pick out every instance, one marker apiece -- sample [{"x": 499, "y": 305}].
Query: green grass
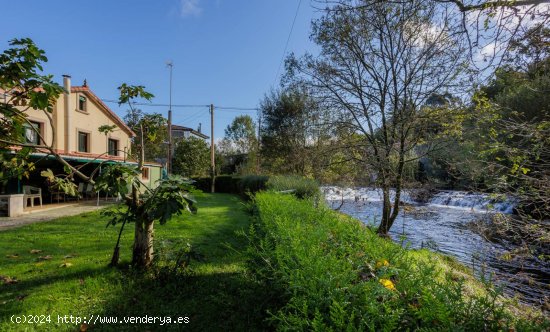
[
  {"x": 216, "y": 295},
  {"x": 329, "y": 272}
]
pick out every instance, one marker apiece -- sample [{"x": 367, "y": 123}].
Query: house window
[
  {"x": 83, "y": 142},
  {"x": 145, "y": 173},
  {"x": 31, "y": 132},
  {"x": 82, "y": 103},
  {"x": 113, "y": 147}
]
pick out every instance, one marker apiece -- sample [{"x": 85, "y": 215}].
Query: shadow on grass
[
  {"x": 13, "y": 296},
  {"x": 216, "y": 295},
  {"x": 213, "y": 302}
]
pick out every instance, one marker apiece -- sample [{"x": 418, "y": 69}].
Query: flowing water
[{"x": 441, "y": 225}]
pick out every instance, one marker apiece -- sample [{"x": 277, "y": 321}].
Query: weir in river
[{"x": 441, "y": 225}]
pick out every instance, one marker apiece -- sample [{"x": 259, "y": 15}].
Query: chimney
[
  {"x": 67, "y": 109},
  {"x": 200, "y": 127}
]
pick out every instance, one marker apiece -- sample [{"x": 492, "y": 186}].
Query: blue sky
[{"x": 225, "y": 52}]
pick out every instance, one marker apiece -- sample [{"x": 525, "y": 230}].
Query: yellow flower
[
  {"x": 384, "y": 262},
  {"x": 388, "y": 284}
]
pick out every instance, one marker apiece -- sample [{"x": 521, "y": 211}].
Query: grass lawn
[{"x": 69, "y": 276}]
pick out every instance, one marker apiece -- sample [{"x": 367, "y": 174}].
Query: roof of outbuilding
[{"x": 193, "y": 131}]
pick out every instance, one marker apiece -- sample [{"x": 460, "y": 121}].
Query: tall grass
[
  {"x": 302, "y": 187},
  {"x": 328, "y": 272}
]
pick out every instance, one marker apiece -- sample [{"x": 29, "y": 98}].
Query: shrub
[
  {"x": 328, "y": 272},
  {"x": 303, "y": 187},
  {"x": 226, "y": 184},
  {"x": 202, "y": 183},
  {"x": 239, "y": 185},
  {"x": 252, "y": 183}
]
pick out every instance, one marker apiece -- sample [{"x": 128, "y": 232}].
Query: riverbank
[
  {"x": 329, "y": 271},
  {"x": 446, "y": 224}
]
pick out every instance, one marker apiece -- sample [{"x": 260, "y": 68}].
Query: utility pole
[
  {"x": 212, "y": 159},
  {"x": 259, "y": 147},
  {"x": 170, "y": 64}
]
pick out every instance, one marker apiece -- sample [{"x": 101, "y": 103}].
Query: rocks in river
[{"x": 423, "y": 194}]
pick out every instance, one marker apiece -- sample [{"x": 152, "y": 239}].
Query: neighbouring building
[{"x": 186, "y": 132}]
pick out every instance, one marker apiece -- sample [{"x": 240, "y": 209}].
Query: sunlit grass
[{"x": 69, "y": 274}]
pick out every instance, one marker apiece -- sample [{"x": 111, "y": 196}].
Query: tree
[
  {"x": 286, "y": 130},
  {"x": 515, "y": 125},
  {"x": 27, "y": 88},
  {"x": 241, "y": 144},
  {"x": 23, "y": 85},
  {"x": 192, "y": 157},
  {"x": 488, "y": 26},
  {"x": 241, "y": 134},
  {"x": 155, "y": 134},
  {"x": 378, "y": 67}
]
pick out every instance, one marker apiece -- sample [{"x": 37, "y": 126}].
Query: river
[{"x": 441, "y": 225}]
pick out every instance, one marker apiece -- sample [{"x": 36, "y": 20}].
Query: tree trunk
[
  {"x": 386, "y": 221},
  {"x": 116, "y": 252},
  {"x": 142, "y": 255}
]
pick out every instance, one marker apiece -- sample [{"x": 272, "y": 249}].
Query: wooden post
[
  {"x": 169, "y": 158},
  {"x": 259, "y": 147},
  {"x": 212, "y": 158}
]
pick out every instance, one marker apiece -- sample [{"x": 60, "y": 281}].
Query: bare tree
[
  {"x": 488, "y": 26},
  {"x": 379, "y": 66}
]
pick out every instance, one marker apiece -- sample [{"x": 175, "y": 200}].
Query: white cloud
[{"x": 190, "y": 8}]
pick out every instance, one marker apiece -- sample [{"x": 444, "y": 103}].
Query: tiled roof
[
  {"x": 97, "y": 100},
  {"x": 193, "y": 131}
]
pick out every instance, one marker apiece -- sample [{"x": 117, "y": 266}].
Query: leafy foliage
[
  {"x": 239, "y": 147},
  {"x": 154, "y": 133},
  {"x": 513, "y": 124},
  {"x": 241, "y": 134},
  {"x": 15, "y": 166},
  {"x": 63, "y": 184},
  {"x": 117, "y": 179},
  {"x": 171, "y": 197},
  {"x": 192, "y": 157},
  {"x": 25, "y": 88},
  {"x": 245, "y": 186},
  {"x": 106, "y": 129},
  {"x": 287, "y": 130},
  {"x": 130, "y": 92}
]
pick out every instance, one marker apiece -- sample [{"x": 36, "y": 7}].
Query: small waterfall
[
  {"x": 472, "y": 201},
  {"x": 361, "y": 194},
  {"x": 452, "y": 199}
]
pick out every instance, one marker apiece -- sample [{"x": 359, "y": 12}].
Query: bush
[
  {"x": 239, "y": 185},
  {"x": 202, "y": 183},
  {"x": 252, "y": 184},
  {"x": 303, "y": 187},
  {"x": 328, "y": 272}
]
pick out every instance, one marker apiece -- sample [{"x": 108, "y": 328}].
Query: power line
[
  {"x": 287, "y": 41},
  {"x": 236, "y": 109},
  {"x": 154, "y": 105},
  {"x": 194, "y": 117},
  {"x": 227, "y": 108}
]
